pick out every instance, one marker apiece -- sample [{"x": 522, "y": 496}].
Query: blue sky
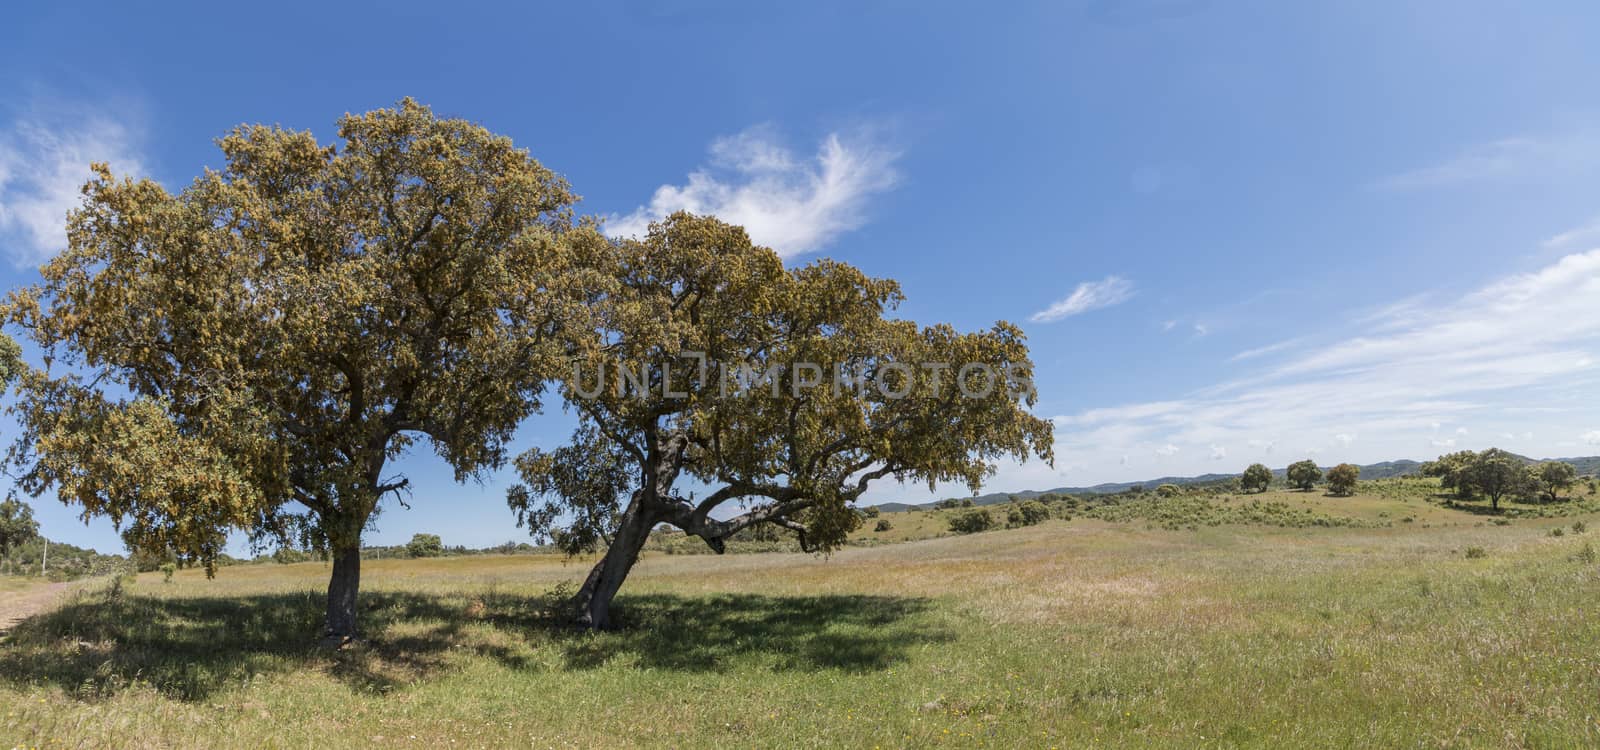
[{"x": 1233, "y": 231}]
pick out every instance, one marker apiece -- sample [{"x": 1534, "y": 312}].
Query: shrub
[
  {"x": 425, "y": 545},
  {"x": 1558, "y": 531},
  {"x": 1168, "y": 490},
  {"x": 871, "y": 511},
  {"x": 971, "y": 521},
  {"x": 1026, "y": 514},
  {"x": 1474, "y": 553},
  {"x": 883, "y": 525},
  {"x": 1578, "y": 527},
  {"x": 1585, "y": 554},
  {"x": 167, "y": 569}
]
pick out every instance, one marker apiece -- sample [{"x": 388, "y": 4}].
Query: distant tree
[
  {"x": 966, "y": 502},
  {"x": 972, "y": 521},
  {"x": 1342, "y": 479},
  {"x": 1137, "y": 489},
  {"x": 1555, "y": 477},
  {"x": 882, "y": 525},
  {"x": 1256, "y": 478},
  {"x": 17, "y": 526},
  {"x": 871, "y": 511},
  {"x": 948, "y": 503},
  {"x": 1498, "y": 474},
  {"x": 1453, "y": 471},
  {"x": 1304, "y": 474},
  {"x": 1169, "y": 490},
  {"x": 1027, "y": 513},
  {"x": 425, "y": 545},
  {"x": 261, "y": 344}
]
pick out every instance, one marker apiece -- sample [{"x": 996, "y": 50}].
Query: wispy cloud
[
  {"x": 1504, "y": 158},
  {"x": 1090, "y": 295},
  {"x": 1262, "y": 351},
  {"x": 792, "y": 204},
  {"x": 1526, "y": 339},
  {"x": 44, "y": 161}
]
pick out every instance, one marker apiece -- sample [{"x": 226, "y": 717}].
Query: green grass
[{"x": 1068, "y": 634}]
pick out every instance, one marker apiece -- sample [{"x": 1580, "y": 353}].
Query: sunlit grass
[{"x": 1067, "y": 634}]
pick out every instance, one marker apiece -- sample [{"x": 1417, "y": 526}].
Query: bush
[
  {"x": 1168, "y": 490},
  {"x": 871, "y": 511},
  {"x": 1026, "y": 514},
  {"x": 1558, "y": 531},
  {"x": 425, "y": 545},
  {"x": 1474, "y": 553},
  {"x": 883, "y": 525},
  {"x": 1578, "y": 527},
  {"x": 167, "y": 569},
  {"x": 1585, "y": 554},
  {"x": 972, "y": 521}
]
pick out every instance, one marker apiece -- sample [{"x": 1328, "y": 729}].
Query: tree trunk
[
  {"x": 342, "y": 590},
  {"x": 593, "y": 601}
]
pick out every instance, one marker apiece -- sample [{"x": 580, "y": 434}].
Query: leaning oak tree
[
  {"x": 251, "y": 352},
  {"x": 780, "y": 394}
]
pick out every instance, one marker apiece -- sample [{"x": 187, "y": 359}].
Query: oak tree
[
  {"x": 1256, "y": 478},
  {"x": 1555, "y": 477},
  {"x": 777, "y": 396},
  {"x": 1304, "y": 474},
  {"x": 252, "y": 351},
  {"x": 1342, "y": 479}
]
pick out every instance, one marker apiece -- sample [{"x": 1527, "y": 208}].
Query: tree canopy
[
  {"x": 782, "y": 393},
  {"x": 1342, "y": 479},
  {"x": 250, "y": 352},
  {"x": 1256, "y": 478},
  {"x": 1304, "y": 474},
  {"x": 1555, "y": 477}
]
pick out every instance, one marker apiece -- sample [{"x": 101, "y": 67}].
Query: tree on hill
[
  {"x": 768, "y": 425},
  {"x": 1342, "y": 479},
  {"x": 1256, "y": 478},
  {"x": 1304, "y": 474},
  {"x": 1497, "y": 474},
  {"x": 972, "y": 521},
  {"x": 425, "y": 545},
  {"x": 259, "y": 345},
  {"x": 1555, "y": 477},
  {"x": 17, "y": 526},
  {"x": 1169, "y": 490},
  {"x": 1026, "y": 513}
]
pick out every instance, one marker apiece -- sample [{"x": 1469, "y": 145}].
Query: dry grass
[{"x": 1069, "y": 634}]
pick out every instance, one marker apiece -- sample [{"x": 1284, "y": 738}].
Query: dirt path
[{"x": 16, "y": 606}]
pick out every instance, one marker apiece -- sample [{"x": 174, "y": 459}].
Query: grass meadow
[{"x": 1442, "y": 631}]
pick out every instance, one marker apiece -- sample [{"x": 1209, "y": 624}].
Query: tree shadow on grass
[{"x": 190, "y": 648}]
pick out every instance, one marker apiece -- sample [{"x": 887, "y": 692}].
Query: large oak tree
[
  {"x": 779, "y": 395},
  {"x": 250, "y": 353}
]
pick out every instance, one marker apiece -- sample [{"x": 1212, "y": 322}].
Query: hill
[{"x": 1381, "y": 470}]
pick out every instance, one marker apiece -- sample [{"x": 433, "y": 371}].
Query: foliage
[
  {"x": 1256, "y": 478},
  {"x": 250, "y": 352},
  {"x": 1555, "y": 477},
  {"x": 883, "y": 525},
  {"x": 17, "y": 526},
  {"x": 1192, "y": 512},
  {"x": 1169, "y": 490},
  {"x": 971, "y": 521},
  {"x": 1303, "y": 475},
  {"x": 1497, "y": 474},
  {"x": 1342, "y": 479},
  {"x": 791, "y": 456},
  {"x": 425, "y": 545},
  {"x": 1026, "y": 513}
]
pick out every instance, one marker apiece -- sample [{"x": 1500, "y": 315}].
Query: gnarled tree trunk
[
  {"x": 342, "y": 590},
  {"x": 593, "y": 602}
]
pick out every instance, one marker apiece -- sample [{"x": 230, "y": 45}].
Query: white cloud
[
  {"x": 1168, "y": 325},
  {"x": 1487, "y": 358},
  {"x": 1218, "y": 452},
  {"x": 44, "y": 161},
  {"x": 1592, "y": 437},
  {"x": 1574, "y": 237},
  {"x": 1167, "y": 450},
  {"x": 1089, "y": 295},
  {"x": 1502, "y": 159},
  {"x": 1201, "y": 329},
  {"x": 1265, "y": 350},
  {"x": 785, "y": 202}
]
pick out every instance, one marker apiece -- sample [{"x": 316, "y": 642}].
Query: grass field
[{"x": 1085, "y": 633}]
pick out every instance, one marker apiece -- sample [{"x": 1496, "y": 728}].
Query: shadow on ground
[{"x": 189, "y": 648}]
